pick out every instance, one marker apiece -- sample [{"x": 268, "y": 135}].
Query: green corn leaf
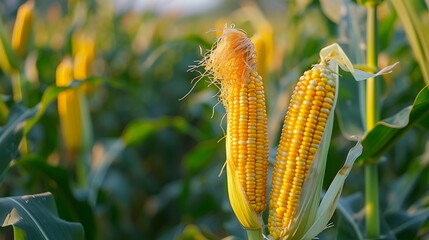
[
  {"x": 408, "y": 181},
  {"x": 20, "y": 122},
  {"x": 200, "y": 156},
  {"x": 11, "y": 135},
  {"x": 51, "y": 94},
  {"x": 191, "y": 232},
  {"x": 386, "y": 132},
  {"x": 348, "y": 207},
  {"x": 35, "y": 217},
  {"x": 98, "y": 174},
  {"x": 141, "y": 129},
  {"x": 404, "y": 224},
  {"x": 70, "y": 207},
  {"x": 8, "y": 60},
  {"x": 413, "y": 15},
  {"x": 135, "y": 133}
]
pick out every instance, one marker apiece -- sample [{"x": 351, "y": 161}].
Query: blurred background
[{"x": 155, "y": 155}]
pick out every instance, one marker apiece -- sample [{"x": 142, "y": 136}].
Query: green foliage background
[{"x": 156, "y": 160}]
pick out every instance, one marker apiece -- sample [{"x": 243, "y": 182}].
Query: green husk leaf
[
  {"x": 247, "y": 217},
  {"x": 336, "y": 53},
  {"x": 412, "y": 14},
  {"x": 329, "y": 201}
]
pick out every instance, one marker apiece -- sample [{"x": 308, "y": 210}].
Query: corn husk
[{"x": 313, "y": 216}]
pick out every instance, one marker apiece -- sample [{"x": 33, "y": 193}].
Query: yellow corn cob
[
  {"x": 84, "y": 54},
  {"x": 22, "y": 27},
  {"x": 302, "y": 132},
  {"x": 83, "y": 43},
  {"x": 247, "y": 131},
  {"x": 69, "y": 107},
  {"x": 5, "y": 63},
  {"x": 81, "y": 68},
  {"x": 233, "y": 64},
  {"x": 8, "y": 61}
]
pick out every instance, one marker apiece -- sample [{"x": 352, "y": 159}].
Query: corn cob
[
  {"x": 83, "y": 56},
  {"x": 81, "y": 66},
  {"x": 302, "y": 132},
  {"x": 69, "y": 107},
  {"x": 233, "y": 64},
  {"x": 83, "y": 43},
  {"x": 8, "y": 61},
  {"x": 22, "y": 27},
  {"x": 248, "y": 138}
]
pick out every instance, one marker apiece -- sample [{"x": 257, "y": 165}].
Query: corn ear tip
[
  {"x": 66, "y": 64},
  {"x": 220, "y": 53},
  {"x": 233, "y": 43},
  {"x": 27, "y": 7}
]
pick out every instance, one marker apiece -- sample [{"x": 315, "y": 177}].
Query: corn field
[{"x": 214, "y": 119}]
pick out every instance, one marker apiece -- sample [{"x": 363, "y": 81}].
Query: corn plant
[
  {"x": 97, "y": 141},
  {"x": 232, "y": 63}
]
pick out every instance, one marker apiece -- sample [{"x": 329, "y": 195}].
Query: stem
[
  {"x": 254, "y": 234},
  {"x": 372, "y": 116},
  {"x": 23, "y": 147},
  {"x": 17, "y": 97},
  {"x": 77, "y": 163},
  {"x": 16, "y": 86},
  {"x": 4, "y": 112},
  {"x": 82, "y": 169}
]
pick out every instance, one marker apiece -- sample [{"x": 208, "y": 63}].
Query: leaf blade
[
  {"x": 36, "y": 215},
  {"x": 386, "y": 132}
]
